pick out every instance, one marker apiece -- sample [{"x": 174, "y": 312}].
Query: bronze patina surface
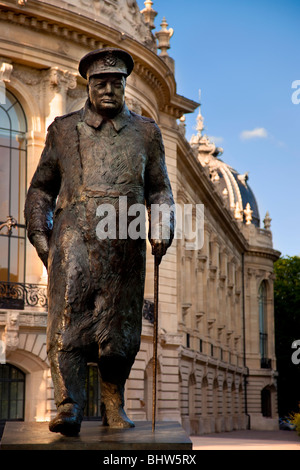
[
  {"x": 94, "y": 436},
  {"x": 93, "y": 157}
]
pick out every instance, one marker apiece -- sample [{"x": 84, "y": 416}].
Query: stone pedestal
[{"x": 168, "y": 436}]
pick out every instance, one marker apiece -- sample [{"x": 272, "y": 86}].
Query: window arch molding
[
  {"x": 13, "y": 171},
  {"x": 26, "y": 94},
  {"x": 27, "y": 100},
  {"x": 28, "y": 97},
  {"x": 36, "y": 369},
  {"x": 12, "y": 394}
]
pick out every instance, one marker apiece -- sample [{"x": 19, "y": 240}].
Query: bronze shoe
[
  {"x": 67, "y": 421},
  {"x": 112, "y": 407},
  {"x": 117, "y": 419}
]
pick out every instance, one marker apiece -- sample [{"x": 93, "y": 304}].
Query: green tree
[{"x": 287, "y": 331}]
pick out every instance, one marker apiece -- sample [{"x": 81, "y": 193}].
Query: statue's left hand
[{"x": 41, "y": 244}]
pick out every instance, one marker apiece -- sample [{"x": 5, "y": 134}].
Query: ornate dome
[
  {"x": 237, "y": 192},
  {"x": 233, "y": 187}
]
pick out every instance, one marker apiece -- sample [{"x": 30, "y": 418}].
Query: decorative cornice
[
  {"x": 268, "y": 253},
  {"x": 24, "y": 318},
  {"x": 37, "y": 23},
  {"x": 84, "y": 31}
]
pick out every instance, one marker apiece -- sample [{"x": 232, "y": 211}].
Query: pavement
[{"x": 248, "y": 440}]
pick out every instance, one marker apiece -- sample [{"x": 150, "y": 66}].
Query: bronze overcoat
[{"x": 95, "y": 287}]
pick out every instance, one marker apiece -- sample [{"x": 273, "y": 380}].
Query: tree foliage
[{"x": 287, "y": 330}]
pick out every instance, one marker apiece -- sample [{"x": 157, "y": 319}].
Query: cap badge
[{"x": 110, "y": 60}]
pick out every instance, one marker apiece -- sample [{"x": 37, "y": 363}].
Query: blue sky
[{"x": 244, "y": 56}]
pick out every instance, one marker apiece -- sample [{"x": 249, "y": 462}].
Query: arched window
[
  {"x": 13, "y": 166},
  {"x": 263, "y": 328},
  {"x": 12, "y": 394}
]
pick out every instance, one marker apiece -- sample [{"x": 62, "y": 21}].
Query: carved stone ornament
[
  {"x": 134, "y": 105},
  {"x": 13, "y": 321},
  {"x": 61, "y": 78},
  {"x": 182, "y": 125},
  {"x": 248, "y": 214},
  {"x": 11, "y": 335},
  {"x": 28, "y": 76},
  {"x": 6, "y": 69},
  {"x": 238, "y": 213},
  {"x": 164, "y": 36},
  {"x": 267, "y": 221},
  {"x": 123, "y": 15},
  {"x": 12, "y": 340},
  {"x": 149, "y": 13}
]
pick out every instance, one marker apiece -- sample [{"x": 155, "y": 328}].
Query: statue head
[{"x": 106, "y": 71}]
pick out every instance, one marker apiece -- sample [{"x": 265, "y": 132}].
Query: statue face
[{"x": 107, "y": 93}]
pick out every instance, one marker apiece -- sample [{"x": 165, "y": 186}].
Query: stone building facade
[{"x": 217, "y": 364}]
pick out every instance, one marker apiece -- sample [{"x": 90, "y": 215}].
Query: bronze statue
[{"x": 93, "y": 157}]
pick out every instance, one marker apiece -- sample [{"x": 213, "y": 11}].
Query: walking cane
[{"x": 157, "y": 261}]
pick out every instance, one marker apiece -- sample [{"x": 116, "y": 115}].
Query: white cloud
[{"x": 257, "y": 133}]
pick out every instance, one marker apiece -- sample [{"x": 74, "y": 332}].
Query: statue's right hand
[{"x": 41, "y": 244}]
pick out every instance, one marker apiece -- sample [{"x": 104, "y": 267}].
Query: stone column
[
  {"x": 187, "y": 293},
  {"x": 168, "y": 267},
  {"x": 252, "y": 320},
  {"x": 35, "y": 140},
  {"x": 56, "y": 83},
  {"x": 201, "y": 262},
  {"x": 270, "y": 319}
]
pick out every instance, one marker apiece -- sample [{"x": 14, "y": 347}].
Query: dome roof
[
  {"x": 236, "y": 190},
  {"x": 233, "y": 187}
]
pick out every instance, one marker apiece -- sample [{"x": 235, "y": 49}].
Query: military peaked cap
[{"x": 109, "y": 60}]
